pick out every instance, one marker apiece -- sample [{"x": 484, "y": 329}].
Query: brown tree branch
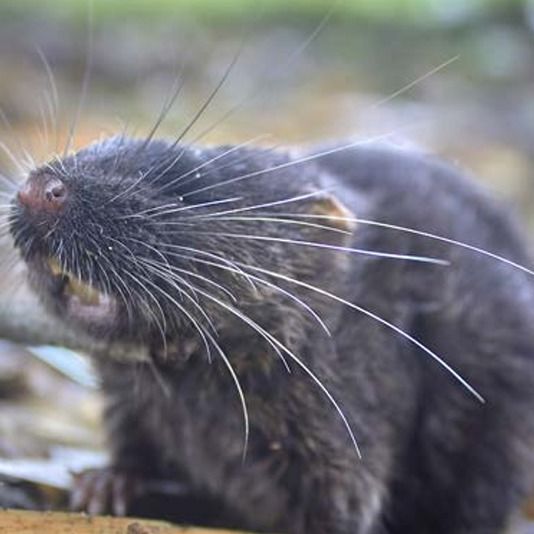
[{"x": 23, "y": 320}]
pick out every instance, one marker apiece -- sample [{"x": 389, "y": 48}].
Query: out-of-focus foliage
[{"x": 408, "y": 10}]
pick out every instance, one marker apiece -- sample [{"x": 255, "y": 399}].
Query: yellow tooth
[
  {"x": 55, "y": 267},
  {"x": 84, "y": 292}
]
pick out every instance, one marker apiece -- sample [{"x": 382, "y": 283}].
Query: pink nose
[{"x": 43, "y": 195}]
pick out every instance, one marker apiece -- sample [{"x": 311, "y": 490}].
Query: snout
[{"x": 43, "y": 195}]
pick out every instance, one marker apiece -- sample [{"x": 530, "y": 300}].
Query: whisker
[
  {"x": 52, "y": 102},
  {"x": 196, "y": 169},
  {"x": 165, "y": 261},
  {"x": 169, "y": 163},
  {"x": 298, "y": 161},
  {"x": 18, "y": 164},
  {"x": 28, "y": 160},
  {"x": 44, "y": 134},
  {"x": 299, "y": 362},
  {"x": 365, "y": 252},
  {"x": 129, "y": 189},
  {"x": 51, "y": 79},
  {"x": 173, "y": 280},
  {"x": 212, "y": 95},
  {"x": 120, "y": 280},
  {"x": 285, "y": 221},
  {"x": 190, "y": 318},
  {"x": 429, "y": 235},
  {"x": 165, "y": 388},
  {"x": 167, "y": 209},
  {"x": 123, "y": 139},
  {"x": 167, "y": 106},
  {"x": 240, "y": 392},
  {"x": 161, "y": 325},
  {"x": 415, "y": 82},
  {"x": 262, "y": 90},
  {"x": 194, "y": 275},
  {"x": 200, "y": 112},
  {"x": 209, "y": 255},
  {"x": 265, "y": 204},
  {"x": 378, "y": 319},
  {"x": 85, "y": 80},
  {"x": 243, "y": 158},
  {"x": 240, "y": 272}
]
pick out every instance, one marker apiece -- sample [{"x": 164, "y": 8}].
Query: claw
[{"x": 101, "y": 491}]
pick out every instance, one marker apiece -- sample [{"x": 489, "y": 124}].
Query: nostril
[
  {"x": 43, "y": 194},
  {"x": 55, "y": 192}
]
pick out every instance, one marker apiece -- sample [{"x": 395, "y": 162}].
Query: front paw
[{"x": 105, "y": 491}]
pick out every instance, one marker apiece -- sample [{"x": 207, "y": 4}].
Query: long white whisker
[
  {"x": 173, "y": 95},
  {"x": 418, "y": 80},
  {"x": 298, "y": 161},
  {"x": 160, "y": 380},
  {"x": 168, "y": 209},
  {"x": 240, "y": 392},
  {"x": 365, "y": 252},
  {"x": 174, "y": 280},
  {"x": 160, "y": 322},
  {"x": 429, "y": 235},
  {"x": 44, "y": 135},
  {"x": 127, "y": 289},
  {"x": 301, "y": 364},
  {"x": 286, "y": 221},
  {"x": 198, "y": 168},
  {"x": 28, "y": 160},
  {"x": 261, "y": 281},
  {"x": 51, "y": 79},
  {"x": 247, "y": 320},
  {"x": 85, "y": 81},
  {"x": 174, "y": 159},
  {"x": 256, "y": 92},
  {"x": 193, "y": 321},
  {"x": 18, "y": 164},
  {"x": 378, "y": 319},
  {"x": 263, "y": 205},
  {"x": 173, "y": 268},
  {"x": 209, "y": 255}
]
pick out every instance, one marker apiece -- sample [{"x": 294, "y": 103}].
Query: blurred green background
[{"x": 477, "y": 111}]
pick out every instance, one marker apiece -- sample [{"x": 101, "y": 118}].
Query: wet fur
[{"x": 434, "y": 459}]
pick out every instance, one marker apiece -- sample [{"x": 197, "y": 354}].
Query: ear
[
  {"x": 334, "y": 227},
  {"x": 333, "y": 213}
]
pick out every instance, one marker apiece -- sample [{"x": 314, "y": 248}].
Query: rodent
[{"x": 181, "y": 248}]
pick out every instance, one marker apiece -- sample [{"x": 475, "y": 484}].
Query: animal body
[{"x": 318, "y": 363}]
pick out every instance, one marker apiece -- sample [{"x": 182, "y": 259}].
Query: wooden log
[{"x": 25, "y": 522}]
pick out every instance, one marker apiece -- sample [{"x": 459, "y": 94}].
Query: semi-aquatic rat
[{"x": 292, "y": 330}]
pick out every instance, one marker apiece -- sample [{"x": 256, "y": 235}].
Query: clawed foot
[{"x": 105, "y": 491}]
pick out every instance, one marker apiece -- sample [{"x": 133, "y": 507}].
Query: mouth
[{"x": 79, "y": 300}]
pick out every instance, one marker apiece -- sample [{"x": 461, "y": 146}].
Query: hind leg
[
  {"x": 471, "y": 463},
  {"x": 450, "y": 487},
  {"x": 492, "y": 480}
]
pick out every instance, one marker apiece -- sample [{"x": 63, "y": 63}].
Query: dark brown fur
[{"x": 434, "y": 458}]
